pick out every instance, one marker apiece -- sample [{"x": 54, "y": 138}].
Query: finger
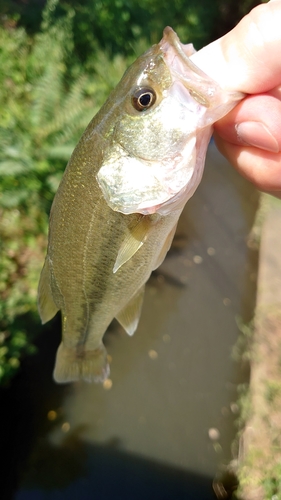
[
  {"x": 247, "y": 58},
  {"x": 255, "y": 121},
  {"x": 260, "y": 167}
]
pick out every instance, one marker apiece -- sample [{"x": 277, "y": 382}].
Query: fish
[{"x": 115, "y": 213}]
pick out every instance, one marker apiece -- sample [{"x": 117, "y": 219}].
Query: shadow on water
[
  {"x": 77, "y": 470},
  {"x": 147, "y": 433}
]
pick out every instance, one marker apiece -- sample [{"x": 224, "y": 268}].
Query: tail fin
[{"x": 91, "y": 366}]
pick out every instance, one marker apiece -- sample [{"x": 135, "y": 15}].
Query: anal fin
[
  {"x": 46, "y": 306},
  {"x": 129, "y": 316}
]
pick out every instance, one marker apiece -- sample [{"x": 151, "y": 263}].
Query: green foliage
[
  {"x": 272, "y": 484},
  {"x": 241, "y": 351},
  {"x": 272, "y": 391},
  {"x": 12, "y": 347},
  {"x": 21, "y": 259},
  {"x": 41, "y": 115},
  {"x": 117, "y": 25},
  {"x": 46, "y": 102}
]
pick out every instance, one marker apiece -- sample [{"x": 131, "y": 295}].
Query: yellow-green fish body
[{"x": 115, "y": 212}]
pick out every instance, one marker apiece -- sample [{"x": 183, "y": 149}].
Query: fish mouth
[
  {"x": 177, "y": 57},
  {"x": 201, "y": 87}
]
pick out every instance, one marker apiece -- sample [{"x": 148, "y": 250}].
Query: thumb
[{"x": 247, "y": 59}]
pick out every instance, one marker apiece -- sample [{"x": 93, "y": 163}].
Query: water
[{"x": 173, "y": 385}]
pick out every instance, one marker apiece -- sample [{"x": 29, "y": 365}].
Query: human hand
[{"x": 247, "y": 59}]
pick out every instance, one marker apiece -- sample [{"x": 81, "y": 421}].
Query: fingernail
[{"x": 256, "y": 134}]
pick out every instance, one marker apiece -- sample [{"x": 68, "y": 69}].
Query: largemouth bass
[{"x": 115, "y": 213}]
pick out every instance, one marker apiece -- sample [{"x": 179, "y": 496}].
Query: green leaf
[
  {"x": 10, "y": 167},
  {"x": 62, "y": 152},
  {"x": 12, "y": 199}
]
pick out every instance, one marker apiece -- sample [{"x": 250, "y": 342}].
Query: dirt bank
[{"x": 260, "y": 444}]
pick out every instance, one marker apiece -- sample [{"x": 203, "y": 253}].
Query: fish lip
[
  {"x": 201, "y": 87},
  {"x": 171, "y": 40},
  {"x": 177, "y": 57}
]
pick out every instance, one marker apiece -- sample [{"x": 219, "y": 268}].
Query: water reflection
[{"x": 163, "y": 424}]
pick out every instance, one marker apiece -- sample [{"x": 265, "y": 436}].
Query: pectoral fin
[
  {"x": 134, "y": 239},
  {"x": 130, "y": 315},
  {"x": 46, "y": 306}
]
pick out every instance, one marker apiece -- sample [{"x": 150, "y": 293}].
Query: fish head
[{"x": 160, "y": 122}]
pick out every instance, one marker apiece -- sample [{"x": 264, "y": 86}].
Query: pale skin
[{"x": 248, "y": 59}]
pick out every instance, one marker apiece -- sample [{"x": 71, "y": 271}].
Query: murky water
[{"x": 147, "y": 432}]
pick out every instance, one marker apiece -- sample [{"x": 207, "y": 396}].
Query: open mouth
[{"x": 177, "y": 57}]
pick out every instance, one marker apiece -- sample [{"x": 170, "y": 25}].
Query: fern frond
[
  {"x": 47, "y": 93},
  {"x": 76, "y": 93},
  {"x": 67, "y": 120},
  {"x": 12, "y": 168}
]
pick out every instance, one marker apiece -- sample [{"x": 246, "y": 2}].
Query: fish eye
[{"x": 143, "y": 98}]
